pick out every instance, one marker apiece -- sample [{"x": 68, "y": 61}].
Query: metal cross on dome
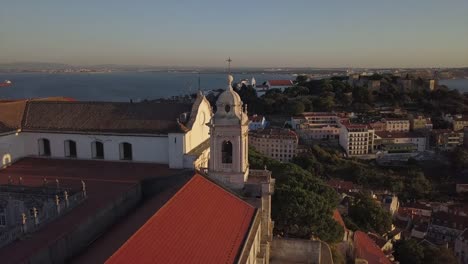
[{"x": 229, "y": 64}]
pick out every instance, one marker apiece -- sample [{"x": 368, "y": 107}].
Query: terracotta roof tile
[
  {"x": 11, "y": 114},
  {"x": 105, "y": 182},
  {"x": 367, "y": 249},
  {"x": 337, "y": 217},
  {"x": 202, "y": 223},
  {"x": 280, "y": 82}
]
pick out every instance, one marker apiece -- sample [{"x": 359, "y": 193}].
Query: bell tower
[{"x": 229, "y": 140}]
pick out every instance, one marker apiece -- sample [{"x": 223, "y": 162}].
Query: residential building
[
  {"x": 378, "y": 126},
  {"x": 419, "y": 230},
  {"x": 416, "y": 209},
  {"x": 446, "y": 139},
  {"x": 312, "y": 126},
  {"x": 257, "y": 122},
  {"x": 279, "y": 84},
  {"x": 277, "y": 143},
  {"x": 356, "y": 139},
  {"x": 445, "y": 227},
  {"x": 461, "y": 247},
  {"x": 400, "y": 142},
  {"x": 458, "y": 122},
  {"x": 373, "y": 85},
  {"x": 342, "y": 186},
  {"x": 420, "y": 123},
  {"x": 273, "y": 84},
  {"x": 397, "y": 125}
]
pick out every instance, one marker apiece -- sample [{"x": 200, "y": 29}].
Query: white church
[
  {"x": 166, "y": 133},
  {"x": 179, "y": 135}
]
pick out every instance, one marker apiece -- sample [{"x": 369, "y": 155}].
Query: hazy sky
[{"x": 327, "y": 33}]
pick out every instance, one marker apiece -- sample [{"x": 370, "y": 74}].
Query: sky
[{"x": 294, "y": 33}]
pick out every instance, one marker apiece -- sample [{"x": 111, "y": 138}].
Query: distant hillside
[{"x": 34, "y": 66}]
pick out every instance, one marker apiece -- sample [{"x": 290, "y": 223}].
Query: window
[
  {"x": 70, "y": 149},
  {"x": 44, "y": 147},
  {"x": 126, "y": 151},
  {"x": 226, "y": 152},
  {"x": 98, "y": 150},
  {"x": 2, "y": 217}
]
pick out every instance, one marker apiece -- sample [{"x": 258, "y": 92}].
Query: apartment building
[
  {"x": 312, "y": 126},
  {"x": 420, "y": 123},
  {"x": 277, "y": 143},
  {"x": 395, "y": 142},
  {"x": 396, "y": 124},
  {"x": 356, "y": 139},
  {"x": 446, "y": 139}
]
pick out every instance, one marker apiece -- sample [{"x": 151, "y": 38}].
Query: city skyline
[{"x": 261, "y": 34}]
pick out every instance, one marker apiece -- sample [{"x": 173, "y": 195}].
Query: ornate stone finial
[
  {"x": 265, "y": 167},
  {"x": 230, "y": 79}
]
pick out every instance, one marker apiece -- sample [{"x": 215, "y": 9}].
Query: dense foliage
[
  {"x": 302, "y": 203},
  {"x": 408, "y": 182},
  {"x": 337, "y": 94},
  {"x": 412, "y": 252},
  {"x": 368, "y": 215}
]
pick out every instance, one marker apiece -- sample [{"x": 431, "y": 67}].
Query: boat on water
[{"x": 6, "y": 83}]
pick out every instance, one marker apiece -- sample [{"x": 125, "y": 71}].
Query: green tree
[
  {"x": 369, "y": 215},
  {"x": 439, "y": 255},
  {"x": 409, "y": 252},
  {"x": 459, "y": 159},
  {"x": 295, "y": 107},
  {"x": 417, "y": 185},
  {"x": 302, "y": 203}
]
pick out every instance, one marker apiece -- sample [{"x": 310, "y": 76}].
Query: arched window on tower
[{"x": 226, "y": 152}]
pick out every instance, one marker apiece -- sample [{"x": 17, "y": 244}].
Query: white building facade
[{"x": 169, "y": 145}]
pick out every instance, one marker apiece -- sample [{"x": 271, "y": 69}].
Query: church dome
[
  {"x": 229, "y": 97},
  {"x": 229, "y": 103}
]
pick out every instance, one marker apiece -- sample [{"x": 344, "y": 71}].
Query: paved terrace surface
[{"x": 105, "y": 181}]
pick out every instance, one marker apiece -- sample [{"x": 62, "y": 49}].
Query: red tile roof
[
  {"x": 105, "y": 182},
  {"x": 280, "y": 82},
  {"x": 202, "y": 223},
  {"x": 339, "y": 219},
  {"x": 367, "y": 249}
]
